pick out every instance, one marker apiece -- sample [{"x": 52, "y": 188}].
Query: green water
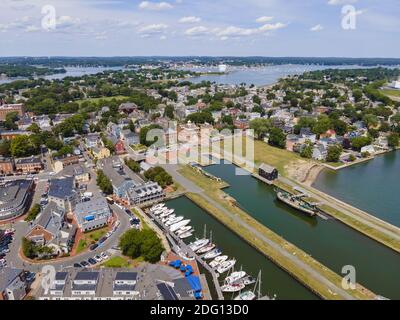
[
  {"x": 274, "y": 280},
  {"x": 372, "y": 186},
  {"x": 330, "y": 242}
]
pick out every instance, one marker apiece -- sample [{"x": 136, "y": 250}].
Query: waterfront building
[
  {"x": 15, "y": 198},
  {"x": 93, "y": 214},
  {"x": 149, "y": 192},
  {"x": 268, "y": 172}
]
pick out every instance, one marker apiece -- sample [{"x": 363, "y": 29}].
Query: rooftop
[{"x": 62, "y": 188}]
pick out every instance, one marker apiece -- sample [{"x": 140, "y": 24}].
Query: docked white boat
[
  {"x": 166, "y": 213},
  {"x": 218, "y": 260},
  {"x": 172, "y": 216},
  {"x": 207, "y": 248},
  {"x": 232, "y": 287},
  {"x": 248, "y": 280},
  {"x": 186, "y": 235},
  {"x": 171, "y": 222},
  {"x": 180, "y": 225},
  {"x": 225, "y": 266},
  {"x": 199, "y": 244},
  {"x": 235, "y": 277},
  {"x": 246, "y": 296},
  {"x": 157, "y": 207},
  {"x": 183, "y": 230},
  {"x": 213, "y": 254}
]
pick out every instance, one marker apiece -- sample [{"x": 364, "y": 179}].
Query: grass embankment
[
  {"x": 393, "y": 93},
  {"x": 121, "y": 262},
  {"x": 303, "y": 276}
]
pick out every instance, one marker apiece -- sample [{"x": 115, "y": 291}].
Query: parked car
[
  {"x": 85, "y": 264},
  {"x": 102, "y": 240},
  {"x": 30, "y": 276},
  {"x": 98, "y": 258},
  {"x": 104, "y": 255},
  {"x": 92, "y": 261},
  {"x": 93, "y": 247},
  {"x": 77, "y": 265}
]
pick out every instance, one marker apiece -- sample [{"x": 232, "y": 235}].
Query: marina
[
  {"x": 198, "y": 250},
  {"x": 329, "y": 241}
]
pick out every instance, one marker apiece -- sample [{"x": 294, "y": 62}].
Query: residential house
[
  {"x": 93, "y": 214},
  {"x": 62, "y": 192},
  {"x": 100, "y": 153},
  {"x": 59, "y": 163},
  {"x": 13, "y": 285},
  {"x": 320, "y": 152}
]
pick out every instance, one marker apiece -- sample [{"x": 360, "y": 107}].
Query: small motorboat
[
  {"x": 225, "y": 266},
  {"x": 218, "y": 260},
  {"x": 248, "y": 280},
  {"x": 246, "y": 296},
  {"x": 235, "y": 277},
  {"x": 199, "y": 244},
  {"x": 174, "y": 221},
  {"x": 232, "y": 287},
  {"x": 213, "y": 254},
  {"x": 205, "y": 249}
]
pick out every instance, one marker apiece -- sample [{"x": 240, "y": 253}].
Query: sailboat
[{"x": 250, "y": 295}]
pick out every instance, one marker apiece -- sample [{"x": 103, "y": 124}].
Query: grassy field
[
  {"x": 90, "y": 238},
  {"x": 117, "y": 262},
  {"x": 278, "y": 158},
  {"x": 393, "y": 93},
  {"x": 96, "y": 100},
  {"x": 214, "y": 192}
]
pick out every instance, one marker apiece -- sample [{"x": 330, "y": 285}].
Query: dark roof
[
  {"x": 182, "y": 287},
  {"x": 61, "y": 276},
  {"x": 123, "y": 276},
  {"x": 61, "y": 188},
  {"x": 124, "y": 287},
  {"x": 87, "y": 275},
  {"x": 7, "y": 276},
  {"x": 267, "y": 168},
  {"x": 167, "y": 292},
  {"x": 29, "y": 160}
]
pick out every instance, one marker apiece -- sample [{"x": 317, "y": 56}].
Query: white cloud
[
  {"x": 155, "y": 6},
  {"x": 264, "y": 19},
  {"x": 317, "y": 27},
  {"x": 152, "y": 29},
  {"x": 197, "y": 31},
  {"x": 340, "y": 2},
  {"x": 190, "y": 19}
]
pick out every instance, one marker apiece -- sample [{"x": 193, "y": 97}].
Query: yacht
[
  {"x": 172, "y": 216},
  {"x": 171, "y": 222},
  {"x": 213, "y": 254},
  {"x": 179, "y": 225},
  {"x": 199, "y": 244},
  {"x": 206, "y": 249},
  {"x": 183, "y": 230},
  {"x": 186, "y": 235},
  {"x": 225, "y": 266},
  {"x": 232, "y": 287},
  {"x": 246, "y": 296},
  {"x": 235, "y": 277},
  {"x": 218, "y": 260}
]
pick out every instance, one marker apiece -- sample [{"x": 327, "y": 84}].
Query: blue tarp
[{"x": 194, "y": 283}]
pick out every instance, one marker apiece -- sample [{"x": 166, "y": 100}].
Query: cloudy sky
[{"x": 368, "y": 28}]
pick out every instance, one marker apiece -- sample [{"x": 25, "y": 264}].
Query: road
[{"x": 191, "y": 187}]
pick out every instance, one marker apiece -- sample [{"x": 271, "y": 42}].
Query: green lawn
[
  {"x": 95, "y": 100},
  {"x": 393, "y": 93},
  {"x": 82, "y": 245},
  {"x": 116, "y": 262}
]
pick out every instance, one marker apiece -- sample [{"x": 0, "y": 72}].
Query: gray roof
[
  {"x": 61, "y": 276},
  {"x": 182, "y": 287},
  {"x": 267, "y": 168},
  {"x": 61, "y": 188},
  {"x": 7, "y": 276},
  {"x": 94, "y": 206},
  {"x": 13, "y": 193},
  {"x": 29, "y": 160},
  {"x": 51, "y": 218}
]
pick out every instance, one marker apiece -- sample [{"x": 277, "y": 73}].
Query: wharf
[{"x": 180, "y": 247}]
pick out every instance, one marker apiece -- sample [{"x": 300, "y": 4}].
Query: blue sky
[{"x": 203, "y": 27}]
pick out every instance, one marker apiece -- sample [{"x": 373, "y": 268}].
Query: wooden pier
[{"x": 179, "y": 247}]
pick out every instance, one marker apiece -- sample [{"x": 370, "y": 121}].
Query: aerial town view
[{"x": 199, "y": 151}]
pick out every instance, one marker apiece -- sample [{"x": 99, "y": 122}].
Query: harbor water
[
  {"x": 274, "y": 280},
  {"x": 330, "y": 242}
]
